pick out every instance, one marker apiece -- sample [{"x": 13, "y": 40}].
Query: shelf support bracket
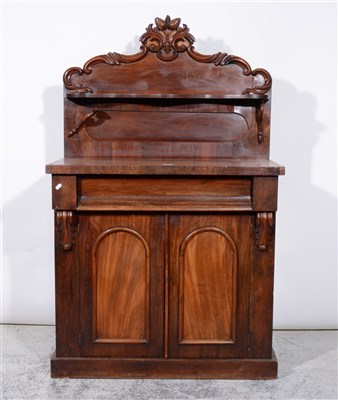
[
  {"x": 81, "y": 123},
  {"x": 264, "y": 230},
  {"x": 259, "y": 121}
]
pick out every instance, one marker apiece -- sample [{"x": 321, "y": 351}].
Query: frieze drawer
[{"x": 161, "y": 193}]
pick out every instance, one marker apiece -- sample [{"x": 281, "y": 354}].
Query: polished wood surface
[
  {"x": 226, "y": 167},
  {"x": 121, "y": 287},
  {"x": 166, "y": 129},
  {"x": 208, "y": 280},
  {"x": 172, "y": 43},
  {"x": 209, "y": 254},
  {"x": 167, "y": 101},
  {"x": 148, "y": 127},
  {"x": 163, "y": 194},
  {"x": 217, "y": 368},
  {"x": 122, "y": 284},
  {"x": 165, "y": 208}
]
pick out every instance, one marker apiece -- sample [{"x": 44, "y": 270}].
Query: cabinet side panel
[
  {"x": 261, "y": 291},
  {"x": 66, "y": 287}
]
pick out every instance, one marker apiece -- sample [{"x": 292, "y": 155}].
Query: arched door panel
[
  {"x": 208, "y": 309},
  {"x": 122, "y": 272}
]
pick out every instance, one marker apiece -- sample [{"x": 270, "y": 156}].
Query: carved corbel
[
  {"x": 264, "y": 230},
  {"x": 67, "y": 229},
  {"x": 259, "y": 121}
]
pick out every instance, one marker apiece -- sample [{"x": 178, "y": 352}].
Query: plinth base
[{"x": 81, "y": 367}]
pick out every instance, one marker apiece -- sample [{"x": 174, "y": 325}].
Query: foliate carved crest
[{"x": 167, "y": 40}]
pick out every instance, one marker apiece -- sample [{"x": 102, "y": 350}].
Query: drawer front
[
  {"x": 145, "y": 193},
  {"x": 161, "y": 193}
]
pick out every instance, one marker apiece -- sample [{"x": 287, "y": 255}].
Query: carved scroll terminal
[
  {"x": 67, "y": 229},
  {"x": 264, "y": 230}
]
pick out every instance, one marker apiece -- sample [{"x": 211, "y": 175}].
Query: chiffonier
[{"x": 165, "y": 209}]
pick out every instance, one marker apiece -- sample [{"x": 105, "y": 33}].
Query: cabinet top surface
[{"x": 226, "y": 167}]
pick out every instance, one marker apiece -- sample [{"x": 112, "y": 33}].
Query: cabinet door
[
  {"x": 121, "y": 280},
  {"x": 209, "y": 277}
]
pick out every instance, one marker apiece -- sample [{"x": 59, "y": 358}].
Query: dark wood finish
[
  {"x": 122, "y": 258},
  {"x": 254, "y": 368},
  {"x": 64, "y": 192},
  {"x": 165, "y": 209},
  {"x": 227, "y": 167},
  {"x": 261, "y": 287},
  {"x": 209, "y": 313},
  {"x": 67, "y": 283},
  {"x": 135, "y": 106},
  {"x": 264, "y": 193},
  {"x": 169, "y": 42},
  {"x": 117, "y": 129},
  {"x": 159, "y": 194}
]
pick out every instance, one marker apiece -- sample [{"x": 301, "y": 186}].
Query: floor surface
[{"x": 307, "y": 370}]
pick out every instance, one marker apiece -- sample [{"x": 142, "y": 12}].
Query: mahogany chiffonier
[{"x": 165, "y": 209}]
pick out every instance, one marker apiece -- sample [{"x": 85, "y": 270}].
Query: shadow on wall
[
  {"x": 306, "y": 229},
  {"x": 305, "y": 224},
  {"x": 28, "y": 289},
  {"x": 306, "y": 260}
]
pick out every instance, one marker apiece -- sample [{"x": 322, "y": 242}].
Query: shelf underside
[{"x": 171, "y": 97}]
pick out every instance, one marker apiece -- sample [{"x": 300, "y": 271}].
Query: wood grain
[
  {"x": 121, "y": 287},
  {"x": 209, "y": 319},
  {"x": 122, "y": 299},
  {"x": 208, "y": 287},
  {"x": 135, "y": 106},
  {"x": 128, "y": 126},
  {"x": 165, "y": 369},
  {"x": 64, "y": 192},
  {"x": 228, "y": 167},
  {"x": 165, "y": 215},
  {"x": 164, "y": 194},
  {"x": 67, "y": 287},
  {"x": 261, "y": 297}
]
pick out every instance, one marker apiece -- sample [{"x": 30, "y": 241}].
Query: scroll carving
[
  {"x": 110, "y": 58},
  {"x": 67, "y": 229},
  {"x": 167, "y": 39},
  {"x": 264, "y": 230}
]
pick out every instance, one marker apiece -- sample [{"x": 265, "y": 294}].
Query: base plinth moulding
[{"x": 81, "y": 367}]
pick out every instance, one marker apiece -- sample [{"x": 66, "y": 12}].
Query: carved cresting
[
  {"x": 167, "y": 39},
  {"x": 264, "y": 230},
  {"x": 67, "y": 229}
]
